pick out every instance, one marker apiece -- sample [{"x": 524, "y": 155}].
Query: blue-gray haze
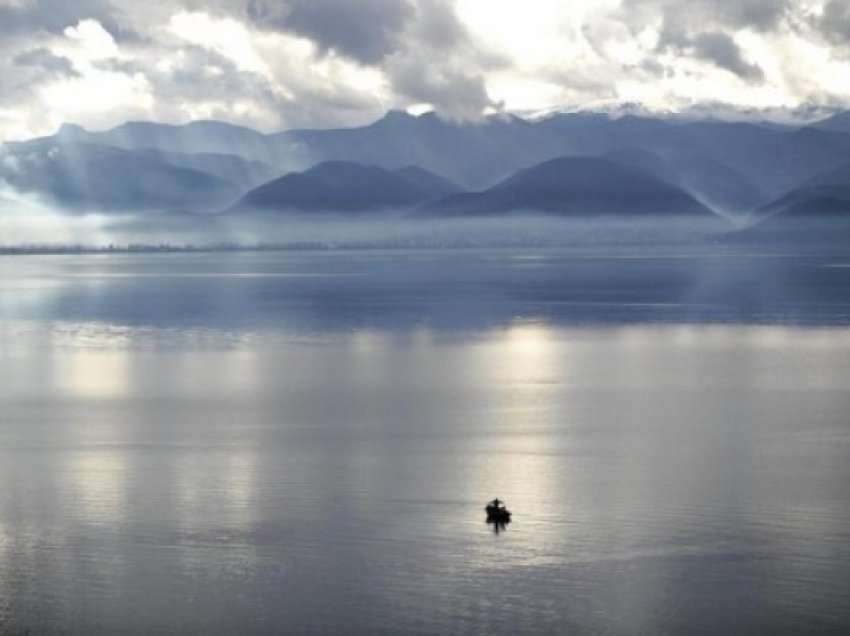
[{"x": 563, "y": 165}]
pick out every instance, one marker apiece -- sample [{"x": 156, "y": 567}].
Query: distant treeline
[
  {"x": 468, "y": 242},
  {"x": 162, "y": 247}
]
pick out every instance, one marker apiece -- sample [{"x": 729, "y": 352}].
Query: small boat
[{"x": 496, "y": 512}]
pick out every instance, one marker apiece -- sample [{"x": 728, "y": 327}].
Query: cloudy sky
[{"x": 276, "y": 64}]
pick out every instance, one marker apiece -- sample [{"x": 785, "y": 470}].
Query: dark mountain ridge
[
  {"x": 826, "y": 195},
  {"x": 342, "y": 186},
  {"x": 575, "y": 187},
  {"x": 714, "y": 184},
  {"x": 840, "y": 122},
  {"x": 479, "y": 154},
  {"x": 733, "y": 167}
]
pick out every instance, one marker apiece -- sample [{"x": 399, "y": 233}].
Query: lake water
[{"x": 303, "y": 442}]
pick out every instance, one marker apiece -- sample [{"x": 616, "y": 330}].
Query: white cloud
[
  {"x": 253, "y": 64},
  {"x": 90, "y": 41},
  {"x": 225, "y": 36}
]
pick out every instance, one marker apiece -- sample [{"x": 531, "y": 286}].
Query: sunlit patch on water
[{"x": 221, "y": 453}]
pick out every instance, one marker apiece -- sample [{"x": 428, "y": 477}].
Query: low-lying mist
[
  {"x": 29, "y": 222},
  {"x": 26, "y": 220}
]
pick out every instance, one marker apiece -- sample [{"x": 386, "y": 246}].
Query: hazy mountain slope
[
  {"x": 242, "y": 172},
  {"x": 85, "y": 176},
  {"x": 472, "y": 154},
  {"x": 839, "y": 177},
  {"x": 434, "y": 185},
  {"x": 815, "y": 202},
  {"x": 575, "y": 186},
  {"x": 827, "y": 194},
  {"x": 192, "y": 138},
  {"x": 199, "y": 137},
  {"x": 839, "y": 123},
  {"x": 180, "y": 146},
  {"x": 765, "y": 161},
  {"x": 734, "y": 157},
  {"x": 344, "y": 186},
  {"x": 643, "y": 160},
  {"x": 810, "y": 215},
  {"x": 772, "y": 161},
  {"x": 714, "y": 184}
]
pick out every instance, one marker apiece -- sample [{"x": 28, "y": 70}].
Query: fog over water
[
  {"x": 30, "y": 220},
  {"x": 26, "y": 221},
  {"x": 246, "y": 442}
]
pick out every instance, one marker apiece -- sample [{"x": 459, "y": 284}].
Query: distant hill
[
  {"x": 575, "y": 186},
  {"x": 826, "y": 195},
  {"x": 751, "y": 160},
  {"x": 839, "y": 123},
  {"x": 472, "y": 154},
  {"x": 192, "y": 138},
  {"x": 244, "y": 173},
  {"x": 645, "y": 161},
  {"x": 343, "y": 186},
  {"x": 817, "y": 202},
  {"x": 433, "y": 185},
  {"x": 709, "y": 181},
  {"x": 771, "y": 161},
  {"x": 839, "y": 177},
  {"x": 729, "y": 167},
  {"x": 78, "y": 176},
  {"x": 815, "y": 213},
  {"x": 818, "y": 216}
]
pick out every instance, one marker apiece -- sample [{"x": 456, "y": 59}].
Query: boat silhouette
[{"x": 497, "y": 512}]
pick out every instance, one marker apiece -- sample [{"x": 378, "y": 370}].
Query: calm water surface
[{"x": 303, "y": 443}]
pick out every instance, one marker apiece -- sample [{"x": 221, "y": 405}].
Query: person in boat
[{"x": 496, "y": 508}]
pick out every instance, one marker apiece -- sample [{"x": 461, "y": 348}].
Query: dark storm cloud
[
  {"x": 653, "y": 68},
  {"x": 702, "y": 29},
  {"x": 685, "y": 15},
  {"x": 761, "y": 15},
  {"x": 835, "y": 22},
  {"x": 722, "y": 50},
  {"x": 54, "y": 16},
  {"x": 715, "y": 47},
  {"x": 456, "y": 94},
  {"x": 441, "y": 64},
  {"x": 438, "y": 25},
  {"x": 199, "y": 75},
  {"x": 421, "y": 46},
  {"x": 195, "y": 74},
  {"x": 425, "y": 51},
  {"x": 202, "y": 75},
  {"x": 365, "y": 30},
  {"x": 44, "y": 60}
]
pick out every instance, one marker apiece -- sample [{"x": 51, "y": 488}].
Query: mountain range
[
  {"x": 338, "y": 186},
  {"x": 575, "y": 186},
  {"x": 560, "y": 164},
  {"x": 827, "y": 194},
  {"x": 81, "y": 176}
]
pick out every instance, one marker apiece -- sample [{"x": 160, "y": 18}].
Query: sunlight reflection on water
[{"x": 323, "y": 463}]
